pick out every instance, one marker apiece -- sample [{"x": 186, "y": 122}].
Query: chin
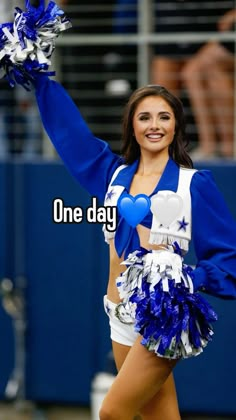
[{"x": 156, "y": 148}]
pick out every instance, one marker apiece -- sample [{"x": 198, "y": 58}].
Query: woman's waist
[
  {"x": 164, "y": 255},
  {"x": 147, "y": 262},
  {"x": 160, "y": 252},
  {"x": 112, "y": 291}
]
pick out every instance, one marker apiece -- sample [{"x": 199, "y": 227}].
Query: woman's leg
[
  {"x": 221, "y": 86},
  {"x": 164, "y": 405},
  {"x": 165, "y": 72},
  {"x": 141, "y": 386},
  {"x": 194, "y": 76}
]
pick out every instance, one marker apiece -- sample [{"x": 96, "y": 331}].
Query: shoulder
[
  {"x": 206, "y": 194},
  {"x": 203, "y": 181}
]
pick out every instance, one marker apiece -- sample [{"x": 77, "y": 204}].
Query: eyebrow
[{"x": 159, "y": 113}]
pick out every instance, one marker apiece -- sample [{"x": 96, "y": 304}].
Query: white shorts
[{"x": 122, "y": 333}]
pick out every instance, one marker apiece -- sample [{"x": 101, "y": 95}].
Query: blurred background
[{"x": 55, "y": 354}]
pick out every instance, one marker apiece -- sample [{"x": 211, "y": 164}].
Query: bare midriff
[
  {"x": 140, "y": 184},
  {"x": 115, "y": 262}
]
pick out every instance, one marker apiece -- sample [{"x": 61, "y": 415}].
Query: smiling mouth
[{"x": 154, "y": 137}]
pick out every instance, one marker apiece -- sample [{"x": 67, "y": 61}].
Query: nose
[{"x": 154, "y": 124}]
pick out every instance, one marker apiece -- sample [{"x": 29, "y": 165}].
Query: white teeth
[{"x": 154, "y": 136}]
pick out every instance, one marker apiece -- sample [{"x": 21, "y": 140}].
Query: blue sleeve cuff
[{"x": 199, "y": 278}]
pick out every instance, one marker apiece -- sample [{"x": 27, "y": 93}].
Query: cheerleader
[{"x": 155, "y": 311}]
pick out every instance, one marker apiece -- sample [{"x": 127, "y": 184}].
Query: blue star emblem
[
  {"x": 109, "y": 195},
  {"x": 182, "y": 224}
]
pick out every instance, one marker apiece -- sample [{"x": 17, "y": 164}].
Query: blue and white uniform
[
  {"x": 204, "y": 217},
  {"x": 158, "y": 291}
]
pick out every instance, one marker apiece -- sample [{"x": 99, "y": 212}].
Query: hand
[{"x": 227, "y": 20}]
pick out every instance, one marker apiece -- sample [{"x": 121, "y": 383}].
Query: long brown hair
[{"x": 177, "y": 149}]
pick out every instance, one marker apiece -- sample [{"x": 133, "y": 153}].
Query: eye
[
  {"x": 143, "y": 117},
  {"x": 165, "y": 117}
]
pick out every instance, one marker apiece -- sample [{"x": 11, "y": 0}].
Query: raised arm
[
  {"x": 89, "y": 159},
  {"x": 214, "y": 236},
  {"x": 25, "y": 58}
]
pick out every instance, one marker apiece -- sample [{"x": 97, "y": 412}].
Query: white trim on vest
[
  {"x": 111, "y": 198},
  {"x": 172, "y": 214}
]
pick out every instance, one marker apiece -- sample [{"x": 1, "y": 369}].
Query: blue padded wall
[
  {"x": 6, "y": 270},
  {"x": 66, "y": 268},
  {"x": 205, "y": 384}
]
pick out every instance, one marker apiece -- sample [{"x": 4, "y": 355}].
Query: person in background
[
  {"x": 179, "y": 66},
  {"x": 170, "y": 58},
  {"x": 209, "y": 79}
]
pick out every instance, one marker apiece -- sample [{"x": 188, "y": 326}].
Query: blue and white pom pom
[
  {"x": 175, "y": 321},
  {"x": 27, "y": 44}
]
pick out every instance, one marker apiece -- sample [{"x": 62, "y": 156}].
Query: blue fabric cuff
[{"x": 199, "y": 278}]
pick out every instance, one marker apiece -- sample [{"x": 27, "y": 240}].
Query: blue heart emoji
[{"x": 134, "y": 209}]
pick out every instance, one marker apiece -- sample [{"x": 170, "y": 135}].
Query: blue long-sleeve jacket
[{"x": 92, "y": 163}]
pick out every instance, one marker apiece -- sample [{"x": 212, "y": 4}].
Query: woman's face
[{"x": 154, "y": 125}]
